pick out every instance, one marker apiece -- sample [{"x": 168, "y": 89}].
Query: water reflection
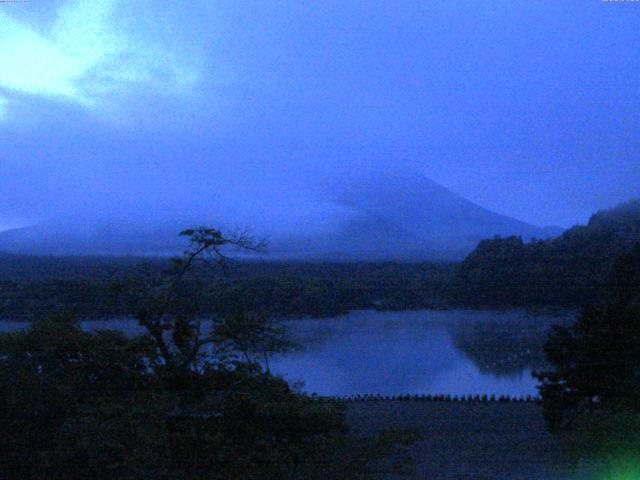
[
  {"x": 506, "y": 346},
  {"x": 418, "y": 352},
  {"x": 458, "y": 352}
]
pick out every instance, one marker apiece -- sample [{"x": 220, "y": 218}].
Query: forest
[
  {"x": 181, "y": 401},
  {"x": 570, "y": 270},
  {"x": 101, "y": 288}
]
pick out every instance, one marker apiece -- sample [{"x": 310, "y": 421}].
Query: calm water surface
[
  {"x": 425, "y": 351},
  {"x": 456, "y": 352}
]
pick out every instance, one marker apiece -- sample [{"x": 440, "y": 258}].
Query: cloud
[
  {"x": 87, "y": 58},
  {"x": 3, "y": 108}
]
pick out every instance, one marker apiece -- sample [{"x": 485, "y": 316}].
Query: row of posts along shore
[{"x": 428, "y": 398}]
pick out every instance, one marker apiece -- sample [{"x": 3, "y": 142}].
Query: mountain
[
  {"x": 571, "y": 269},
  {"x": 407, "y": 217},
  {"x": 396, "y": 216},
  {"x": 78, "y": 238}
]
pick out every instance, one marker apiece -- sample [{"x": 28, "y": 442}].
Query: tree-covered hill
[{"x": 568, "y": 270}]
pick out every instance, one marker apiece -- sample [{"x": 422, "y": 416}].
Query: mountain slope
[
  {"x": 399, "y": 216},
  {"x": 409, "y": 217},
  {"x": 91, "y": 239}
]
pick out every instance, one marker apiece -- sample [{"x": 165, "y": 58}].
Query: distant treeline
[
  {"x": 570, "y": 270},
  {"x": 99, "y": 287}
]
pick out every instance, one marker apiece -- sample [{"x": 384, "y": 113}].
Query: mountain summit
[
  {"x": 398, "y": 216},
  {"x": 405, "y": 216}
]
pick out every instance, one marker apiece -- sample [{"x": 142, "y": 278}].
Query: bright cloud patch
[{"x": 84, "y": 58}]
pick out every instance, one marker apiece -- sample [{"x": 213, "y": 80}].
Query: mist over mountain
[
  {"x": 90, "y": 239},
  {"x": 406, "y": 216},
  {"x": 394, "y": 216}
]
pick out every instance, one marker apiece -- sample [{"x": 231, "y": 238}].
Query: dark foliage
[
  {"x": 177, "y": 403},
  {"x": 79, "y": 405},
  {"x": 33, "y": 286},
  {"x": 570, "y": 270},
  {"x": 596, "y": 360}
]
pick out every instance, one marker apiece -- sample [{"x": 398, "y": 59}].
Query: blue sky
[{"x": 156, "y": 111}]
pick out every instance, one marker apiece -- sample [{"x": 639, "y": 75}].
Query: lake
[{"x": 455, "y": 352}]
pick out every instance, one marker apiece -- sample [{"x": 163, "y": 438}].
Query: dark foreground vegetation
[
  {"x": 591, "y": 395},
  {"x": 187, "y": 402},
  {"x": 77, "y": 405},
  {"x": 177, "y": 403}
]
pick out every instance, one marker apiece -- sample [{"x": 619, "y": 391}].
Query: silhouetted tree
[
  {"x": 53, "y": 373},
  {"x": 177, "y": 331},
  {"x": 596, "y": 362},
  {"x": 180, "y": 402}
]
